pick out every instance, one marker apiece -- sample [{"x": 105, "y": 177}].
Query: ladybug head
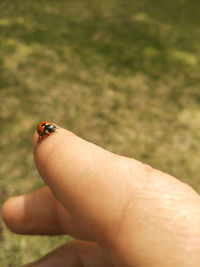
[{"x": 49, "y": 128}]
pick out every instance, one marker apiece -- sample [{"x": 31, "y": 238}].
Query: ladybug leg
[{"x": 44, "y": 136}]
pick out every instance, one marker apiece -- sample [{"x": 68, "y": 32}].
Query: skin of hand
[{"x": 120, "y": 211}]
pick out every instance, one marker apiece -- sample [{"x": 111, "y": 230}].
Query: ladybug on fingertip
[{"x": 45, "y": 128}]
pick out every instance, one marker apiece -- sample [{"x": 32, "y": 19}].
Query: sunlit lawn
[{"x": 122, "y": 74}]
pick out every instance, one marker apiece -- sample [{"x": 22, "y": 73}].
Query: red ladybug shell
[{"x": 40, "y": 128}]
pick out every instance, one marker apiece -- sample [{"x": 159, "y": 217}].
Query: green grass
[{"x": 122, "y": 74}]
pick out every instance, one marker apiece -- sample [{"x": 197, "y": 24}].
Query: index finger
[{"x": 84, "y": 178}]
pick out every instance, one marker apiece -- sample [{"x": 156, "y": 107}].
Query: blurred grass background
[{"x": 122, "y": 74}]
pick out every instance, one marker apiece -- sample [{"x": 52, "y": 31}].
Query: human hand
[{"x": 121, "y": 212}]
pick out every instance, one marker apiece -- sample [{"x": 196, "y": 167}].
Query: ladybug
[{"x": 45, "y": 128}]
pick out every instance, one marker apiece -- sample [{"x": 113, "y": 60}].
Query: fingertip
[
  {"x": 46, "y": 146},
  {"x": 6, "y": 211},
  {"x": 12, "y": 213}
]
